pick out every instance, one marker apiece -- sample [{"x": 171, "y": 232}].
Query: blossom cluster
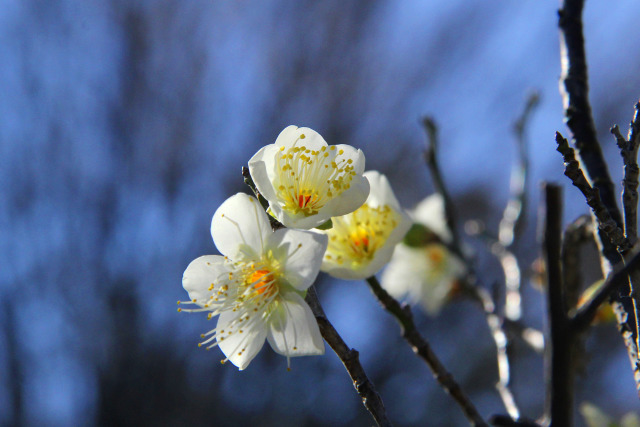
[{"x": 338, "y": 219}]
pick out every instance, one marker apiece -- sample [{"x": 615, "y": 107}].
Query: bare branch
[
  {"x": 431, "y": 157},
  {"x": 574, "y": 89},
  {"x": 605, "y": 222},
  {"x": 421, "y": 347},
  {"x": 560, "y": 345},
  {"x": 515, "y": 211},
  {"x": 629, "y": 152},
  {"x": 349, "y": 357},
  {"x": 507, "y": 259},
  {"x": 498, "y": 328}
]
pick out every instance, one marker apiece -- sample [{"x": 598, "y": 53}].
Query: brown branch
[
  {"x": 629, "y": 152},
  {"x": 605, "y": 222},
  {"x": 421, "y": 347},
  {"x": 574, "y": 89},
  {"x": 349, "y": 357},
  {"x": 470, "y": 287},
  {"x": 615, "y": 247},
  {"x": 431, "y": 157},
  {"x": 560, "y": 345}
]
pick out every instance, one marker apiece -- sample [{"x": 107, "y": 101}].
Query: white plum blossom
[
  {"x": 361, "y": 243},
  {"x": 306, "y": 181},
  {"x": 426, "y": 272},
  {"x": 257, "y": 288}
]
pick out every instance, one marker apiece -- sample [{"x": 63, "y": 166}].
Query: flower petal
[
  {"x": 293, "y": 135},
  {"x": 240, "y": 340},
  {"x": 306, "y": 181},
  {"x": 240, "y": 227},
  {"x": 262, "y": 169},
  {"x": 262, "y": 165},
  {"x": 413, "y": 274},
  {"x": 349, "y": 255},
  {"x": 302, "y": 257},
  {"x": 380, "y": 259},
  {"x": 201, "y": 274},
  {"x": 346, "y": 202},
  {"x": 430, "y": 213},
  {"x": 383, "y": 194},
  {"x": 293, "y": 329}
]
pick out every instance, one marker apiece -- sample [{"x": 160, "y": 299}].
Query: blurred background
[{"x": 124, "y": 125}]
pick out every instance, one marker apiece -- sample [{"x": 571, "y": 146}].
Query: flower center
[
  {"x": 307, "y": 179},
  {"x": 262, "y": 281},
  {"x": 437, "y": 260},
  {"x": 435, "y": 254},
  {"x": 360, "y": 238},
  {"x": 356, "y": 237}
]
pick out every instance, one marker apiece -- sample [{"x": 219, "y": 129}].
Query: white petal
[
  {"x": 201, "y": 274},
  {"x": 293, "y": 328},
  {"x": 240, "y": 347},
  {"x": 381, "y": 192},
  {"x": 293, "y": 135},
  {"x": 430, "y": 212},
  {"x": 302, "y": 253},
  {"x": 401, "y": 272},
  {"x": 262, "y": 170},
  {"x": 354, "y": 154},
  {"x": 346, "y": 202},
  {"x": 346, "y": 273},
  {"x": 240, "y": 227},
  {"x": 380, "y": 259},
  {"x": 298, "y": 221},
  {"x": 412, "y": 275}
]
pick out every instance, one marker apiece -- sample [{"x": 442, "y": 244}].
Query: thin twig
[
  {"x": 349, "y": 357},
  {"x": 573, "y": 171},
  {"x": 421, "y": 347},
  {"x": 629, "y": 152},
  {"x": 501, "y": 338},
  {"x": 514, "y": 214},
  {"x": 574, "y": 89},
  {"x": 470, "y": 286},
  {"x": 560, "y": 345},
  {"x": 615, "y": 247},
  {"x": 431, "y": 157}
]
